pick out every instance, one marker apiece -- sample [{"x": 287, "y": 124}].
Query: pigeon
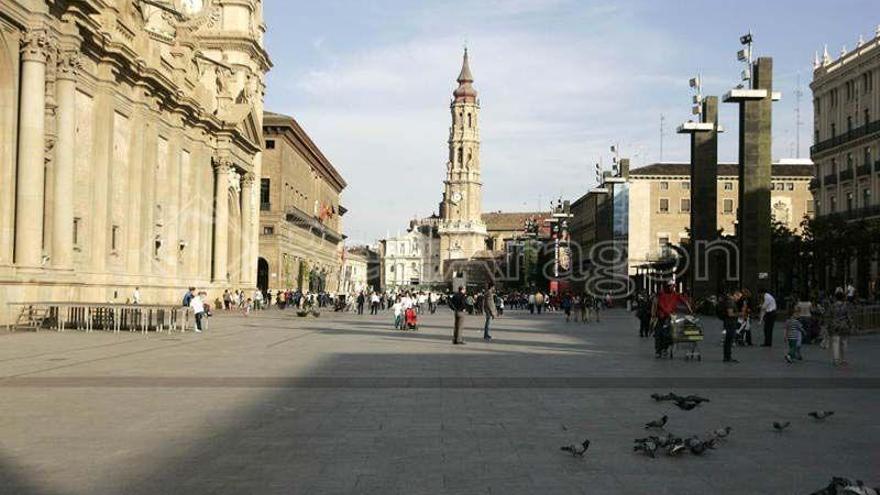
[
  {"x": 665, "y": 397},
  {"x": 781, "y": 426},
  {"x": 722, "y": 432},
  {"x": 840, "y": 486},
  {"x": 685, "y": 404},
  {"x": 675, "y": 448},
  {"x": 659, "y": 423},
  {"x": 645, "y": 445},
  {"x": 575, "y": 450},
  {"x": 696, "y": 398},
  {"x": 820, "y": 415}
]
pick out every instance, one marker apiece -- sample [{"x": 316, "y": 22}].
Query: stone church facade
[{"x": 130, "y": 140}]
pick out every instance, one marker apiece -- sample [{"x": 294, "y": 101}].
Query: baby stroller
[
  {"x": 743, "y": 332},
  {"x": 411, "y": 319}
]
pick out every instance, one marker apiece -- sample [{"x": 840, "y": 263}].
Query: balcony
[
  {"x": 846, "y": 175},
  {"x": 815, "y": 183},
  {"x": 830, "y": 180},
  {"x": 846, "y": 137},
  {"x": 858, "y": 213},
  {"x": 863, "y": 170}
]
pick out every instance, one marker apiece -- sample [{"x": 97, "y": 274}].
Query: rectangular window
[
  {"x": 664, "y": 205},
  {"x": 268, "y": 230},
  {"x": 811, "y": 207},
  {"x": 789, "y": 186},
  {"x": 832, "y": 204},
  {"x": 866, "y": 197},
  {"x": 77, "y": 224},
  {"x": 664, "y": 186},
  {"x": 728, "y": 186},
  {"x": 686, "y": 186},
  {"x": 114, "y": 235},
  {"x": 270, "y": 144},
  {"x": 728, "y": 206},
  {"x": 685, "y": 205},
  {"x": 664, "y": 242},
  {"x": 265, "y": 194}
]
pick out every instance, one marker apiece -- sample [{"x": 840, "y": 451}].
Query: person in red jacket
[{"x": 666, "y": 303}]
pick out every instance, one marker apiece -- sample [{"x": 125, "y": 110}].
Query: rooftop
[
  {"x": 304, "y": 143},
  {"x": 510, "y": 220},
  {"x": 785, "y": 168}
]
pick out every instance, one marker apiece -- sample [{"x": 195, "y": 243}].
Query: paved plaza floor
[{"x": 274, "y": 403}]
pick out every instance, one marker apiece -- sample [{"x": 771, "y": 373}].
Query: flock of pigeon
[{"x": 674, "y": 445}]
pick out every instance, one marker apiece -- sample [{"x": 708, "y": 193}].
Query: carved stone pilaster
[{"x": 69, "y": 63}]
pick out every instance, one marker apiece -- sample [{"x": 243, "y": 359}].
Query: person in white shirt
[
  {"x": 136, "y": 296},
  {"x": 197, "y": 303},
  {"x": 768, "y": 317},
  {"x": 374, "y": 303},
  {"x": 397, "y": 308}
]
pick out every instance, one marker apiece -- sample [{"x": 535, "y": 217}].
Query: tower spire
[{"x": 465, "y": 90}]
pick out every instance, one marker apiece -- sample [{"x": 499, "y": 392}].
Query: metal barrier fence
[
  {"x": 89, "y": 317},
  {"x": 867, "y": 319}
]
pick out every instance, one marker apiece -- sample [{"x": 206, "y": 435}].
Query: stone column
[
  {"x": 704, "y": 197},
  {"x": 755, "y": 174},
  {"x": 62, "y": 214},
  {"x": 222, "y": 168},
  {"x": 248, "y": 257},
  {"x": 35, "y": 49}
]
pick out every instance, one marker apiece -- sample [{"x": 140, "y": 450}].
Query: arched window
[
  {"x": 470, "y": 122},
  {"x": 460, "y": 155}
]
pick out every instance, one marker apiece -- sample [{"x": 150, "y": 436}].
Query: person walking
[
  {"x": 768, "y": 316},
  {"x": 539, "y": 302},
  {"x": 374, "y": 304},
  {"x": 188, "y": 295},
  {"x": 361, "y": 300},
  {"x": 458, "y": 306},
  {"x": 729, "y": 323},
  {"x": 397, "y": 309},
  {"x": 840, "y": 326},
  {"x": 197, "y": 303},
  {"x": 566, "y": 304},
  {"x": 794, "y": 332},
  {"x": 136, "y": 296},
  {"x": 532, "y": 299},
  {"x": 744, "y": 309},
  {"x": 489, "y": 308},
  {"x": 666, "y": 304}
]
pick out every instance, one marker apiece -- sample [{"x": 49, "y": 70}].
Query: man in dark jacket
[{"x": 458, "y": 305}]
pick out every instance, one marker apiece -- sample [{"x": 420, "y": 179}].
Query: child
[
  {"x": 247, "y": 306},
  {"x": 398, "y": 313},
  {"x": 794, "y": 331}
]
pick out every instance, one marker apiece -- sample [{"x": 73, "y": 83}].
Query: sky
[{"x": 560, "y": 81}]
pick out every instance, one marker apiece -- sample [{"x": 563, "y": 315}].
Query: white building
[
  {"x": 354, "y": 273},
  {"x": 413, "y": 258}
]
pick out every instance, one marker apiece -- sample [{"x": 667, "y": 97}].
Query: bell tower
[{"x": 462, "y": 231}]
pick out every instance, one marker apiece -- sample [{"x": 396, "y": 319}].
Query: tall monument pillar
[
  {"x": 462, "y": 231},
  {"x": 755, "y": 140},
  {"x": 704, "y": 196}
]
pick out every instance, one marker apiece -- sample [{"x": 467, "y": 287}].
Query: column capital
[
  {"x": 69, "y": 63},
  {"x": 37, "y": 45},
  {"x": 248, "y": 179},
  {"x": 222, "y": 165}
]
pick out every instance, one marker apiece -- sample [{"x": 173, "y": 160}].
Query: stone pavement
[{"x": 344, "y": 404}]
